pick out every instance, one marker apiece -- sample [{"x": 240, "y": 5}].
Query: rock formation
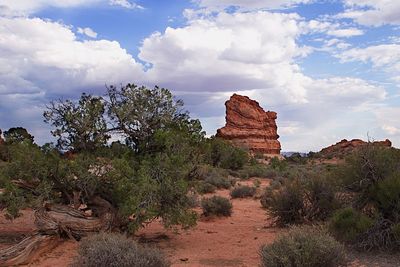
[
  {"x": 250, "y": 127},
  {"x": 345, "y": 147}
]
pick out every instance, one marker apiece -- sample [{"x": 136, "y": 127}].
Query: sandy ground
[{"x": 231, "y": 241}]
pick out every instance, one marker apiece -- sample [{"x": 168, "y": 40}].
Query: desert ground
[{"x": 217, "y": 241}]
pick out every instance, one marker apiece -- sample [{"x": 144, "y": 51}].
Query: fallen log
[
  {"x": 28, "y": 249},
  {"x": 53, "y": 222}
]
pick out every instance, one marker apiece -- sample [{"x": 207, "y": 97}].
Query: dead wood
[
  {"x": 28, "y": 249},
  {"x": 53, "y": 222}
]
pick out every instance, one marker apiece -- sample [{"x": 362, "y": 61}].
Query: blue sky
[{"x": 329, "y": 68}]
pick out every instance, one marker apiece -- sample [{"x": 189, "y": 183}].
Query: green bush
[
  {"x": 303, "y": 247},
  {"x": 256, "y": 170},
  {"x": 348, "y": 224},
  {"x": 292, "y": 201},
  {"x": 216, "y": 205},
  {"x": 278, "y": 164},
  {"x": 285, "y": 203},
  {"x": 222, "y": 154},
  {"x": 115, "y": 250},
  {"x": 205, "y": 188},
  {"x": 219, "y": 181},
  {"x": 243, "y": 191}
]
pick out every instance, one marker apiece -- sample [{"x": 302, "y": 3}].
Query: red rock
[
  {"x": 346, "y": 147},
  {"x": 250, "y": 127}
]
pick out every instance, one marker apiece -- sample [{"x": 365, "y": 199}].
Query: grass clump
[
  {"x": 243, "y": 191},
  {"x": 216, "y": 205},
  {"x": 116, "y": 250},
  {"x": 304, "y": 246}
]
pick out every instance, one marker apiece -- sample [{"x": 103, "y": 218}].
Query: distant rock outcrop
[
  {"x": 250, "y": 127},
  {"x": 345, "y": 147}
]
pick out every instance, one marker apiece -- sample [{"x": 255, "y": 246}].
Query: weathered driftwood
[
  {"x": 28, "y": 249},
  {"x": 53, "y": 222}
]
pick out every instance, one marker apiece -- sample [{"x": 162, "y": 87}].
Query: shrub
[
  {"x": 219, "y": 181},
  {"x": 205, "y": 188},
  {"x": 223, "y": 154},
  {"x": 303, "y": 247},
  {"x": 243, "y": 191},
  {"x": 292, "y": 201},
  {"x": 216, "y": 205},
  {"x": 277, "y": 164},
  {"x": 255, "y": 170},
  {"x": 115, "y": 250},
  {"x": 347, "y": 224},
  {"x": 285, "y": 203}
]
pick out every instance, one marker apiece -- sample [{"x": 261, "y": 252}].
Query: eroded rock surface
[
  {"x": 345, "y": 147},
  {"x": 250, "y": 127}
]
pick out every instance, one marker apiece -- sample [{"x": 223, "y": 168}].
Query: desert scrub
[
  {"x": 218, "y": 180},
  {"x": 205, "y": 188},
  {"x": 216, "y": 205},
  {"x": 243, "y": 191},
  {"x": 347, "y": 224},
  {"x": 293, "y": 201},
  {"x": 116, "y": 250},
  {"x": 305, "y": 246}
]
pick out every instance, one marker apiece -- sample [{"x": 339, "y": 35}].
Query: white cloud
[
  {"x": 125, "y": 4},
  {"x": 88, "y": 32},
  {"x": 350, "y": 32},
  {"x": 26, "y": 7},
  {"x": 248, "y": 4},
  {"x": 40, "y": 55},
  {"x": 386, "y": 56},
  {"x": 255, "y": 53},
  {"x": 372, "y": 12},
  {"x": 391, "y": 130}
]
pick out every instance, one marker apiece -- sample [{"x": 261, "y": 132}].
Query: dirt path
[{"x": 231, "y": 241}]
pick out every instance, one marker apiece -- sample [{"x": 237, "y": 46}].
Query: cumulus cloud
[
  {"x": 88, "y": 32},
  {"x": 256, "y": 54},
  {"x": 372, "y": 12},
  {"x": 41, "y": 59}
]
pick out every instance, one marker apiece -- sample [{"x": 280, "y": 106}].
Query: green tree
[
  {"x": 17, "y": 135},
  {"x": 138, "y": 112},
  {"x": 79, "y": 126}
]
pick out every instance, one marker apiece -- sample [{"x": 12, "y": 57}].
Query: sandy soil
[{"x": 231, "y": 241}]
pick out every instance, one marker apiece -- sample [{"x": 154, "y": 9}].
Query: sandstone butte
[
  {"x": 248, "y": 126},
  {"x": 345, "y": 146}
]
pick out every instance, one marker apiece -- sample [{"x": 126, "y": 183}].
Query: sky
[{"x": 329, "y": 68}]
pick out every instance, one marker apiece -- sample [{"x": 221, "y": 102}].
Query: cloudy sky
[{"x": 329, "y": 68}]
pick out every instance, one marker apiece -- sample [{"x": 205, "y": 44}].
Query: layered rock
[
  {"x": 250, "y": 127},
  {"x": 345, "y": 147}
]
